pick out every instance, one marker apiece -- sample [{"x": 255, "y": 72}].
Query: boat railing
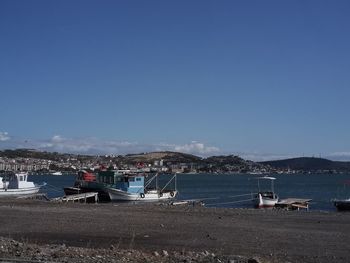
[
  {"x": 150, "y": 180},
  {"x": 171, "y": 179},
  {"x": 164, "y": 187}
]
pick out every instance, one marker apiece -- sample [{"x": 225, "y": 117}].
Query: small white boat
[
  {"x": 265, "y": 199},
  {"x": 17, "y": 185},
  {"x": 57, "y": 173}
]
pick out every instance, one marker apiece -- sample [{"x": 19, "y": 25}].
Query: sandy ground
[{"x": 269, "y": 235}]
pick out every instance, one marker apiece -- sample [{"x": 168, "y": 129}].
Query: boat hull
[
  {"x": 342, "y": 205},
  {"x": 118, "y": 195},
  {"x": 19, "y": 191},
  {"x": 102, "y": 194},
  {"x": 263, "y": 202},
  {"x": 72, "y": 190}
]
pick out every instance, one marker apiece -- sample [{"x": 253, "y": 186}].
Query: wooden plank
[
  {"x": 300, "y": 206},
  {"x": 290, "y": 201},
  {"x": 77, "y": 197},
  {"x": 294, "y": 203}
]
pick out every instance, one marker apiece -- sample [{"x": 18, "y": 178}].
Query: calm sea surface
[{"x": 226, "y": 190}]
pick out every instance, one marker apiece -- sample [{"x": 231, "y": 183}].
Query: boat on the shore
[
  {"x": 86, "y": 182},
  {"x": 265, "y": 198},
  {"x": 122, "y": 185},
  {"x": 16, "y": 184},
  {"x": 133, "y": 187}
]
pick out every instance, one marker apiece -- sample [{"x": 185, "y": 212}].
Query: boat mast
[
  {"x": 272, "y": 186},
  {"x": 156, "y": 181},
  {"x": 175, "y": 181}
]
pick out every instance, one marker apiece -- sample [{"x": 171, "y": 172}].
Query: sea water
[{"x": 235, "y": 190}]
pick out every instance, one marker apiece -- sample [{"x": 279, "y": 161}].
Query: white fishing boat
[
  {"x": 16, "y": 185},
  {"x": 265, "y": 198},
  {"x": 132, "y": 187}
]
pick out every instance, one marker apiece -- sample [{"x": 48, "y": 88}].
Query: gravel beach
[{"x": 114, "y": 232}]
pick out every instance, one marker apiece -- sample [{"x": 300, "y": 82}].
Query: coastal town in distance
[{"x": 38, "y": 162}]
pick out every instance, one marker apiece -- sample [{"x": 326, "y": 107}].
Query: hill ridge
[{"x": 309, "y": 164}]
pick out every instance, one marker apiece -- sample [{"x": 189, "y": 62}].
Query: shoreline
[{"x": 270, "y": 235}]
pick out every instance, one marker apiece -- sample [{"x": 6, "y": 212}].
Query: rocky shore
[
  {"x": 12, "y": 250},
  {"x": 39, "y": 231}
]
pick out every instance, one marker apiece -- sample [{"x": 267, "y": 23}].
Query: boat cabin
[
  {"x": 130, "y": 183},
  {"x": 268, "y": 195},
  {"x": 16, "y": 181},
  {"x": 262, "y": 189},
  {"x": 86, "y": 176}
]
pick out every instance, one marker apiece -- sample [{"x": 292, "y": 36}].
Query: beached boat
[
  {"x": 265, "y": 199},
  {"x": 86, "y": 182},
  {"x": 133, "y": 187},
  {"x": 16, "y": 184},
  {"x": 122, "y": 185}
]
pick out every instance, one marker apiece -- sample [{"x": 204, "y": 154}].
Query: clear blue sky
[{"x": 259, "y": 78}]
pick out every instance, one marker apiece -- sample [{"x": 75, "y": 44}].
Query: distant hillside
[
  {"x": 175, "y": 157},
  {"x": 222, "y": 159},
  {"x": 215, "y": 164},
  {"x": 232, "y": 163},
  {"x": 309, "y": 164},
  {"x": 30, "y": 153}
]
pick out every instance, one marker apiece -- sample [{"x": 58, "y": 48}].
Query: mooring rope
[
  {"x": 54, "y": 188},
  {"x": 226, "y": 203},
  {"x": 233, "y": 196}
]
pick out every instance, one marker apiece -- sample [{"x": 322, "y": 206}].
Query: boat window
[
  {"x": 21, "y": 178},
  {"x": 131, "y": 179},
  {"x": 138, "y": 179}
]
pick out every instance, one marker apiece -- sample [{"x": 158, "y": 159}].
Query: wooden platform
[
  {"x": 84, "y": 197},
  {"x": 293, "y": 204}
]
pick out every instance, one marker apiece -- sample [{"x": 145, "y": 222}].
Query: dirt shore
[{"x": 163, "y": 233}]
